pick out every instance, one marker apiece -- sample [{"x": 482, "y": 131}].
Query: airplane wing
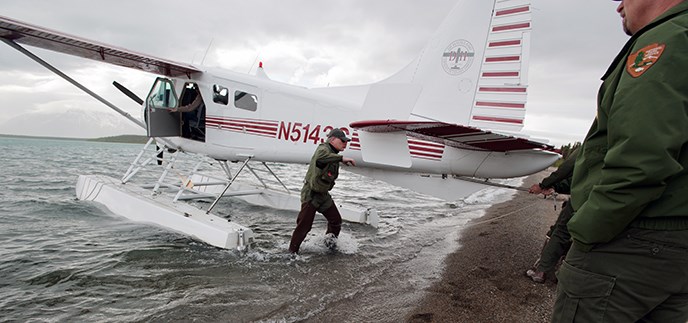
[
  {"x": 452, "y": 135},
  {"x": 23, "y": 33}
]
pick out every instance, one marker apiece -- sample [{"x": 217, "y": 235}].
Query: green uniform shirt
[
  {"x": 632, "y": 167},
  {"x": 323, "y": 170}
]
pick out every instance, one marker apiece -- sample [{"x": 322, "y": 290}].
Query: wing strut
[
  {"x": 81, "y": 87},
  {"x": 228, "y": 185},
  {"x": 70, "y": 80}
]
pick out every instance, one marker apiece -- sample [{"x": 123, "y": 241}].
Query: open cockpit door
[
  {"x": 160, "y": 121},
  {"x": 191, "y": 110}
]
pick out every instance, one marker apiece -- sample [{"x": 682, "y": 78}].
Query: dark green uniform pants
[
  {"x": 641, "y": 276},
  {"x": 559, "y": 241},
  {"x": 321, "y": 202}
]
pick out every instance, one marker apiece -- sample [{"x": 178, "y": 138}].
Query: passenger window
[
  {"x": 220, "y": 94},
  {"x": 246, "y": 101}
]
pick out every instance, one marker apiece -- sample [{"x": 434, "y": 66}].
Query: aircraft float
[{"x": 442, "y": 125}]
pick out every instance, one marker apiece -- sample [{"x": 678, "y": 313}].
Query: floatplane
[{"x": 442, "y": 125}]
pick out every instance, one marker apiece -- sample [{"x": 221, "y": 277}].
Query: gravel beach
[{"x": 484, "y": 280}]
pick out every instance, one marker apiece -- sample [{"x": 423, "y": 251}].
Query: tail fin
[{"x": 474, "y": 69}]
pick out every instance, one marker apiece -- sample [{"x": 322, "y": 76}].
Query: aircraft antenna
[
  {"x": 254, "y": 63},
  {"x": 206, "y": 50}
]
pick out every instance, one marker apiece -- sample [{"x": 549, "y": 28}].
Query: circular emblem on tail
[{"x": 457, "y": 57}]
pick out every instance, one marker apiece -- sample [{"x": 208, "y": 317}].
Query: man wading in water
[{"x": 322, "y": 172}]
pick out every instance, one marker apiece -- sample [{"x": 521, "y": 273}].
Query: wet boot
[{"x": 331, "y": 241}]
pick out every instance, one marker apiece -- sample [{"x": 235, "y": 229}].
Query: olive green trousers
[
  {"x": 640, "y": 276},
  {"x": 559, "y": 241},
  {"x": 321, "y": 202}
]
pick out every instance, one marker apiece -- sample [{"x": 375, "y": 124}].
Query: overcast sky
[{"x": 311, "y": 43}]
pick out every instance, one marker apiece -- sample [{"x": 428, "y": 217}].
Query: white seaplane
[{"x": 442, "y": 125}]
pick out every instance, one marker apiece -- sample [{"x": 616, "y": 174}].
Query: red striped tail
[
  {"x": 500, "y": 100},
  {"x": 474, "y": 70}
]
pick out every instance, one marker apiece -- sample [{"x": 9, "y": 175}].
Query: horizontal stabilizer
[
  {"x": 23, "y": 33},
  {"x": 452, "y": 135}
]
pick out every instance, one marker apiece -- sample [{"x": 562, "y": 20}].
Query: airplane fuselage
[{"x": 284, "y": 123}]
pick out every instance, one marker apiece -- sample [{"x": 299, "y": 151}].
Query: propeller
[{"x": 128, "y": 93}]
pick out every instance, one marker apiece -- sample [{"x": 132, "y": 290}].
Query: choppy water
[{"x": 68, "y": 260}]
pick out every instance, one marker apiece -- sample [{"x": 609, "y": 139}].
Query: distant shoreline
[{"x": 129, "y": 139}]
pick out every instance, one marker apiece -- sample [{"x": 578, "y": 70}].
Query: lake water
[{"x": 65, "y": 260}]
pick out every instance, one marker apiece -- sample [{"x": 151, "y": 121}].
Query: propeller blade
[{"x": 127, "y": 92}]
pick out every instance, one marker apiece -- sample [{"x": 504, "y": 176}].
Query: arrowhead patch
[{"x": 643, "y": 59}]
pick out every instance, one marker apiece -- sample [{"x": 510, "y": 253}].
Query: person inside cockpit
[{"x": 193, "y": 114}]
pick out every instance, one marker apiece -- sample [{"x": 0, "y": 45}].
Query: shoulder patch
[{"x": 643, "y": 59}]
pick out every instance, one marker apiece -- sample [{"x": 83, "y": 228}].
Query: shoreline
[{"x": 484, "y": 279}]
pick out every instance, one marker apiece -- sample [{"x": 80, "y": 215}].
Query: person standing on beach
[
  {"x": 629, "y": 258},
  {"x": 322, "y": 172},
  {"x": 558, "y": 238}
]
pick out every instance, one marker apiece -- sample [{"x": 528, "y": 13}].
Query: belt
[{"x": 668, "y": 223}]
